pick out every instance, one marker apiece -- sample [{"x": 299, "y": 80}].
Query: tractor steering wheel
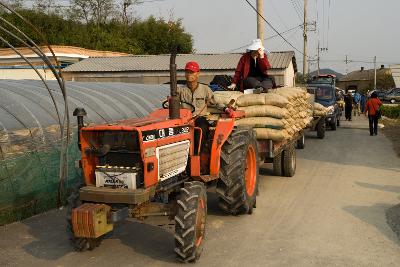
[{"x": 165, "y": 106}]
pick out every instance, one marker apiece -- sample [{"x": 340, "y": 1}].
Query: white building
[{"x": 154, "y": 69}]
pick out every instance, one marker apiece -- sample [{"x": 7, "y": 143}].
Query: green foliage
[
  {"x": 392, "y": 112},
  {"x": 149, "y": 36}
]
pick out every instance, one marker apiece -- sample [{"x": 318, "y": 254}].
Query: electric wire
[
  {"x": 268, "y": 38},
  {"x": 273, "y": 28}
]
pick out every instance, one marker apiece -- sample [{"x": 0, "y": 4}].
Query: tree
[
  {"x": 81, "y": 10},
  {"x": 46, "y": 6}
]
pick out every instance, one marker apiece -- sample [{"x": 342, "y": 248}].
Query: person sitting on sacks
[{"x": 252, "y": 68}]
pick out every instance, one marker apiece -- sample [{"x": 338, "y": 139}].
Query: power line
[
  {"x": 268, "y": 38},
  {"x": 296, "y": 9},
  {"x": 273, "y": 28}
]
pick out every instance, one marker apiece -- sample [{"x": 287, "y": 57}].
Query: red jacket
[
  {"x": 372, "y": 106},
  {"x": 243, "y": 67}
]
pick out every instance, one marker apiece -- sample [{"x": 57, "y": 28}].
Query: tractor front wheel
[
  {"x": 190, "y": 221},
  {"x": 238, "y": 184},
  {"x": 79, "y": 243}
]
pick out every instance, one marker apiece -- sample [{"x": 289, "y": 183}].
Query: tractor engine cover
[{"x": 172, "y": 159}]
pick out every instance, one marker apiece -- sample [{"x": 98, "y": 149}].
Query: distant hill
[{"x": 327, "y": 71}]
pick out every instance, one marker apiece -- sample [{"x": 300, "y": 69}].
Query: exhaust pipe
[
  {"x": 79, "y": 113},
  {"x": 174, "y": 105}
]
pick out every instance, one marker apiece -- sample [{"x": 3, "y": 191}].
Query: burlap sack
[
  {"x": 320, "y": 113},
  {"x": 276, "y": 100},
  {"x": 222, "y": 98},
  {"x": 261, "y": 122},
  {"x": 318, "y": 106},
  {"x": 272, "y": 134},
  {"x": 250, "y": 100},
  {"x": 265, "y": 111}
]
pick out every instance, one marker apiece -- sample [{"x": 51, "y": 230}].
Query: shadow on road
[
  {"x": 46, "y": 229},
  {"x": 374, "y": 215},
  {"x": 386, "y": 188},
  {"x": 353, "y": 147}
]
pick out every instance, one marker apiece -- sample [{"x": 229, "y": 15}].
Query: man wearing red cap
[{"x": 197, "y": 94}]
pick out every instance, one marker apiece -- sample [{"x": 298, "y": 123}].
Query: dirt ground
[{"x": 392, "y": 132}]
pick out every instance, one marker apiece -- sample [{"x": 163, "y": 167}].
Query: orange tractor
[{"x": 157, "y": 166}]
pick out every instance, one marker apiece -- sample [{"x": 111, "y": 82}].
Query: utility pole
[
  {"x": 318, "y": 58},
  {"x": 305, "y": 58},
  {"x": 347, "y": 68},
  {"x": 374, "y": 72},
  {"x": 260, "y": 20}
]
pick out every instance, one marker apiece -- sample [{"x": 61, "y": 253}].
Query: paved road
[{"x": 332, "y": 213}]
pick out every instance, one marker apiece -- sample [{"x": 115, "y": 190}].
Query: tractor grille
[{"x": 172, "y": 159}]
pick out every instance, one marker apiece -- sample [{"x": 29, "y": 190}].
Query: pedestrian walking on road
[
  {"x": 373, "y": 109},
  {"x": 348, "y": 102},
  {"x": 357, "y": 99},
  {"x": 363, "y": 101}
]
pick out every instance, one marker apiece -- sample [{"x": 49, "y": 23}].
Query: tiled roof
[{"x": 278, "y": 60}]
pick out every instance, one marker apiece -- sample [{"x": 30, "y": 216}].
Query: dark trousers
[
  {"x": 202, "y": 123},
  {"x": 347, "y": 113},
  {"x": 373, "y": 124},
  {"x": 255, "y": 82}
]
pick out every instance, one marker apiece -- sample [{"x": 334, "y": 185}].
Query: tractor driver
[{"x": 197, "y": 94}]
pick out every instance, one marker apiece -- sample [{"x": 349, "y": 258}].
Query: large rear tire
[
  {"x": 190, "y": 221},
  {"x": 289, "y": 161},
  {"x": 80, "y": 244},
  {"x": 238, "y": 184}
]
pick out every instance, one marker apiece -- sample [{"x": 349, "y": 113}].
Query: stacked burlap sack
[
  {"x": 276, "y": 115},
  {"x": 320, "y": 110},
  {"x": 222, "y": 98}
]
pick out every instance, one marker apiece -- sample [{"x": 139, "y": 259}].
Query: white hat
[{"x": 255, "y": 45}]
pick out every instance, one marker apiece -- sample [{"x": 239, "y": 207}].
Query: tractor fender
[{"x": 222, "y": 131}]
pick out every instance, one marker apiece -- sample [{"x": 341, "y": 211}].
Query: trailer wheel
[
  {"x": 301, "y": 142},
  {"x": 190, "y": 221},
  {"x": 277, "y": 165},
  {"x": 321, "y": 129},
  {"x": 289, "y": 161},
  {"x": 238, "y": 184},
  {"x": 333, "y": 125},
  {"x": 80, "y": 244}
]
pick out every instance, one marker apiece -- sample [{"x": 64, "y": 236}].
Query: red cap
[{"x": 193, "y": 66}]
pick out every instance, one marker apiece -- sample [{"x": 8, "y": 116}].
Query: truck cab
[{"x": 325, "y": 94}]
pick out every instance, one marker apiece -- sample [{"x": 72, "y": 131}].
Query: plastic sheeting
[{"x": 30, "y": 135}]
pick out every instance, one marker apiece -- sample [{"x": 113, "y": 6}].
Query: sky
[{"x": 360, "y": 29}]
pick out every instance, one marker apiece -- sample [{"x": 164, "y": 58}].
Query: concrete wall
[
  {"x": 25, "y": 74},
  {"x": 282, "y": 76}
]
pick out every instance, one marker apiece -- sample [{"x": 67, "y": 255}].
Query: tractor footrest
[
  {"x": 116, "y": 195},
  {"x": 90, "y": 220}
]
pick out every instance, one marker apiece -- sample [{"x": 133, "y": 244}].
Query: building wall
[
  {"x": 25, "y": 74},
  {"x": 356, "y": 85},
  {"x": 282, "y": 76}
]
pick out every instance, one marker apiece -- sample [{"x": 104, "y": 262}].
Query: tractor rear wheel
[
  {"x": 238, "y": 184},
  {"x": 79, "y": 243},
  {"x": 190, "y": 221}
]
